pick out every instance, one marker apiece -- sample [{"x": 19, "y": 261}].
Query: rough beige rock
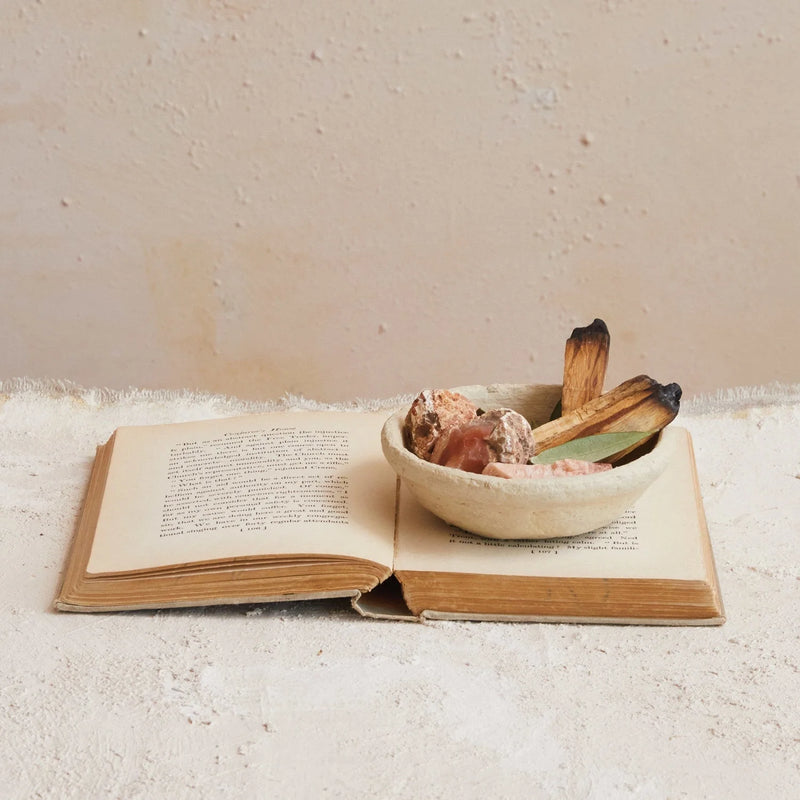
[{"x": 512, "y": 437}]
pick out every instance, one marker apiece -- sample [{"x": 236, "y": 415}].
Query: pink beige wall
[{"x": 364, "y": 198}]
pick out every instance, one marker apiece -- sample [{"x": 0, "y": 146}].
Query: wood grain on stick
[
  {"x": 585, "y": 362},
  {"x": 638, "y": 404}
]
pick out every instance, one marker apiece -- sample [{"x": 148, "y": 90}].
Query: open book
[{"x": 302, "y": 505}]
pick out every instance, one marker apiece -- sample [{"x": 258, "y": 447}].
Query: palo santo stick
[
  {"x": 638, "y": 404},
  {"x": 585, "y": 362}
]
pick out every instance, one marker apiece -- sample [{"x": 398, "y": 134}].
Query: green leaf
[{"x": 591, "y": 448}]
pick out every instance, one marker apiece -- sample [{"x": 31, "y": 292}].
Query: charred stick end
[
  {"x": 670, "y": 396},
  {"x": 597, "y": 328}
]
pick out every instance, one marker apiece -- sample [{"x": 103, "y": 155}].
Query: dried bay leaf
[{"x": 591, "y": 448}]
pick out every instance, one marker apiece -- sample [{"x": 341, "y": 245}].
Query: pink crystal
[
  {"x": 558, "y": 469},
  {"x": 465, "y": 447}
]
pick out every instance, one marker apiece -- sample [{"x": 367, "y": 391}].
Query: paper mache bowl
[{"x": 522, "y": 508}]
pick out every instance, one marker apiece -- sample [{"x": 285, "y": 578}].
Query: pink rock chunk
[
  {"x": 558, "y": 469},
  {"x": 433, "y": 413},
  {"x": 465, "y": 447},
  {"x": 499, "y": 435}
]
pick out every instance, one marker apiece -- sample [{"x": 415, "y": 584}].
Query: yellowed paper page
[
  {"x": 659, "y": 537},
  {"x": 290, "y": 482}
]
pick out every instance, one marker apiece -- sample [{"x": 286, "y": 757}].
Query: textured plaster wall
[{"x": 365, "y": 198}]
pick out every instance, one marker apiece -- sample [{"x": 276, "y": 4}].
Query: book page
[
  {"x": 660, "y": 537},
  {"x": 280, "y": 483}
]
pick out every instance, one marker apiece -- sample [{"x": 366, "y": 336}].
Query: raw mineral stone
[
  {"x": 433, "y": 413},
  {"x": 559, "y": 469},
  {"x": 499, "y": 435}
]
